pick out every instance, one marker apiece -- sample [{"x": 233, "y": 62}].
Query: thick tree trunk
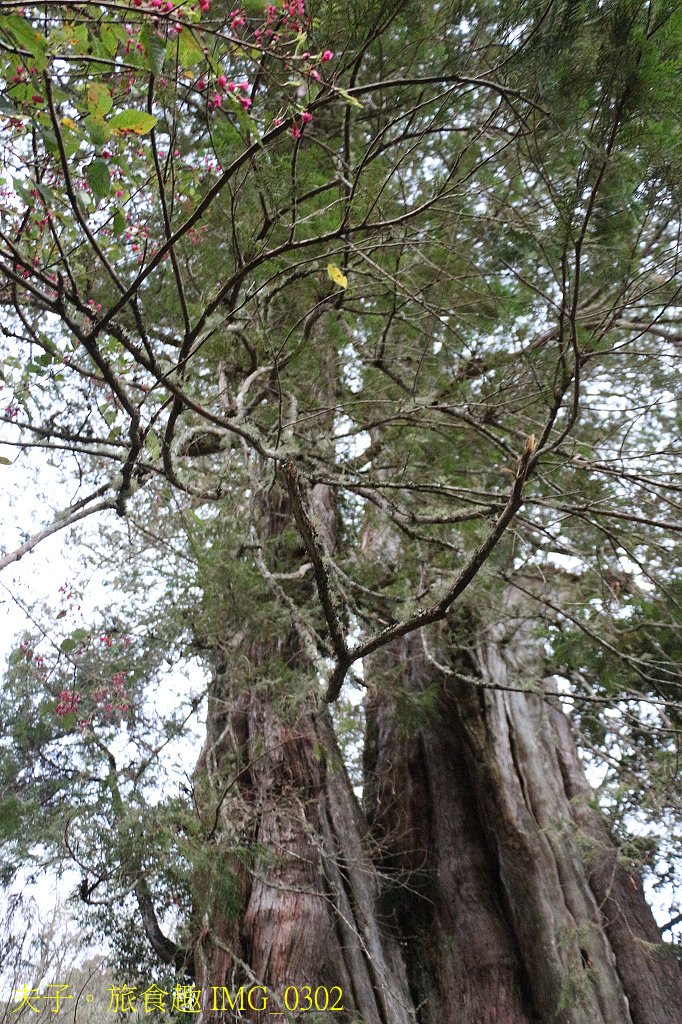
[
  {"x": 291, "y": 896},
  {"x": 290, "y": 837},
  {"x": 444, "y": 887},
  {"x": 508, "y": 891},
  {"x": 491, "y": 893}
]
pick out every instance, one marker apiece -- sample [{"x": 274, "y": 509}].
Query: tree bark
[
  {"x": 492, "y": 892},
  {"x": 649, "y": 969},
  {"x": 511, "y": 897},
  {"x": 306, "y": 910},
  {"x": 287, "y": 832}
]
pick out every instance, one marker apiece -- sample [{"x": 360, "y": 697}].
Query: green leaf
[
  {"x": 97, "y": 129},
  {"x": 119, "y": 223},
  {"x": 99, "y": 99},
  {"x": 46, "y": 192},
  {"x": 97, "y": 174},
  {"x": 5, "y": 461},
  {"x": 69, "y": 721},
  {"x": 109, "y": 414},
  {"x": 16, "y": 657},
  {"x": 246, "y": 122},
  {"x": 68, "y": 645},
  {"x": 137, "y": 122},
  {"x": 109, "y": 40},
  {"x": 189, "y": 50},
  {"x": 155, "y": 48},
  {"x": 350, "y": 100},
  {"x": 69, "y": 141},
  {"x": 80, "y": 634},
  {"x": 11, "y": 818},
  {"x": 27, "y": 38},
  {"x": 80, "y": 39},
  {"x": 152, "y": 444}
]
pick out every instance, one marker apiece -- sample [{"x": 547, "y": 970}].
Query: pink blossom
[
  {"x": 204, "y": 5},
  {"x": 315, "y": 74},
  {"x": 295, "y": 132},
  {"x": 217, "y": 100},
  {"x": 327, "y": 55},
  {"x": 306, "y": 117},
  {"x": 245, "y": 102},
  {"x": 68, "y": 702},
  {"x": 221, "y": 81}
]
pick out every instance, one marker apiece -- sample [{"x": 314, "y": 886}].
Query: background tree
[
  {"x": 41, "y": 954},
  {"x": 358, "y": 328}
]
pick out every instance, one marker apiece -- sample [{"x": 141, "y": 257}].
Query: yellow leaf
[
  {"x": 336, "y": 275},
  {"x": 69, "y": 122}
]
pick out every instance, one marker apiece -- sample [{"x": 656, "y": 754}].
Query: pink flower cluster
[
  {"x": 237, "y": 19},
  {"x": 67, "y": 703},
  {"x": 291, "y": 17},
  {"x": 306, "y": 118},
  {"x": 294, "y": 12},
  {"x": 114, "y": 697},
  {"x": 223, "y": 85}
]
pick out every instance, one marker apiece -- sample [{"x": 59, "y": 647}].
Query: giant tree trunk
[
  {"x": 490, "y": 893},
  {"x": 494, "y": 894},
  {"x": 290, "y": 839},
  {"x": 508, "y": 891},
  {"x": 289, "y": 894}
]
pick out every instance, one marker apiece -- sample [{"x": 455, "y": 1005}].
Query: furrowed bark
[
  {"x": 443, "y": 888},
  {"x": 649, "y": 968},
  {"x": 306, "y": 912},
  {"x": 511, "y": 897}
]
